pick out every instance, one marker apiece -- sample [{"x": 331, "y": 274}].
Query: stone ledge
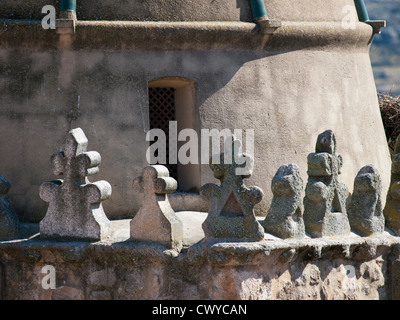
[
  {"x": 352, "y": 247},
  {"x": 65, "y": 26},
  {"x": 205, "y": 35},
  {"x": 219, "y": 35},
  {"x": 27, "y": 34},
  {"x": 270, "y": 269}
]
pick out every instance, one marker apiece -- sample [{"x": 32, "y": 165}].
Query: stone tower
[{"x": 286, "y": 69}]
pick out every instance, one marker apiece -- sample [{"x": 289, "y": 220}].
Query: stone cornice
[{"x": 140, "y": 35}]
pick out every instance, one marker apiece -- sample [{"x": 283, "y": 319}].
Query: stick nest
[{"x": 390, "y": 111}]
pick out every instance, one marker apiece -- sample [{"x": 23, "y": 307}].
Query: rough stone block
[
  {"x": 285, "y": 216},
  {"x": 9, "y": 222},
  {"x": 395, "y": 279},
  {"x": 392, "y": 207},
  {"x": 268, "y": 26},
  {"x": 65, "y": 26},
  {"x": 75, "y": 210},
  {"x": 156, "y": 220},
  {"x": 231, "y": 212},
  {"x": 325, "y": 199},
  {"x": 365, "y": 211}
]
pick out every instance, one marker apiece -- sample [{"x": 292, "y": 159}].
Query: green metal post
[
  {"x": 68, "y": 5},
  {"x": 361, "y": 10},
  {"x": 258, "y": 8}
]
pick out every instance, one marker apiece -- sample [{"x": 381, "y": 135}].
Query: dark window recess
[{"x": 162, "y": 110}]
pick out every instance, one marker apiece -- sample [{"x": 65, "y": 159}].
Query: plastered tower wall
[{"x": 308, "y": 76}]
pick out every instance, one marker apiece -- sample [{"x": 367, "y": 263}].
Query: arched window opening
[
  {"x": 174, "y": 99},
  {"x": 161, "y": 112}
]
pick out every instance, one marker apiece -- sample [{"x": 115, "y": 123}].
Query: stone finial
[
  {"x": 365, "y": 209},
  {"x": 75, "y": 210},
  {"x": 9, "y": 222},
  {"x": 156, "y": 220},
  {"x": 285, "y": 216},
  {"x": 392, "y": 208},
  {"x": 231, "y": 212},
  {"x": 325, "y": 199}
]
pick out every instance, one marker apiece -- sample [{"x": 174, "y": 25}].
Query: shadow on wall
[
  {"x": 106, "y": 94},
  {"x": 103, "y": 92}
]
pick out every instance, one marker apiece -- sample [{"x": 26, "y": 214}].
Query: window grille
[{"x": 162, "y": 110}]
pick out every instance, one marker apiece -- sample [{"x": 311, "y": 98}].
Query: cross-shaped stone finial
[
  {"x": 75, "y": 210},
  {"x": 156, "y": 221},
  {"x": 325, "y": 200},
  {"x": 231, "y": 212},
  {"x": 74, "y": 163},
  {"x": 9, "y": 222}
]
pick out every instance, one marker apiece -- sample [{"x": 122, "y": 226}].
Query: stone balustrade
[{"x": 329, "y": 245}]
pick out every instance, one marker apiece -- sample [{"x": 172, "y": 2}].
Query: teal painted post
[
  {"x": 68, "y": 5},
  {"x": 258, "y": 8},
  {"x": 361, "y": 10}
]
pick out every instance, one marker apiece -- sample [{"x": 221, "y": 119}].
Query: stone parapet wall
[
  {"x": 162, "y": 254},
  {"x": 338, "y": 268}
]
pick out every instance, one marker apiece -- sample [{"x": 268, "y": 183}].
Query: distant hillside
[{"x": 385, "y": 50}]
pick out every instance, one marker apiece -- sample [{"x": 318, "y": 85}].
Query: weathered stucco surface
[
  {"x": 285, "y": 96},
  {"x": 308, "y": 76}
]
